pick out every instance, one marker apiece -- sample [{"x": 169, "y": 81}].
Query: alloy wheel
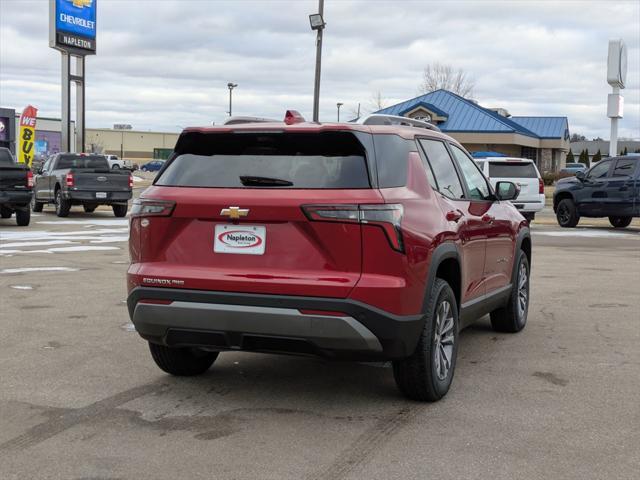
[
  {"x": 444, "y": 339},
  {"x": 523, "y": 290}
]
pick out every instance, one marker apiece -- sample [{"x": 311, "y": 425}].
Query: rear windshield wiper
[{"x": 249, "y": 181}]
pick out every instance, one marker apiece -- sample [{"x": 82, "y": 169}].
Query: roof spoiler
[
  {"x": 381, "y": 119},
  {"x": 240, "y": 120}
]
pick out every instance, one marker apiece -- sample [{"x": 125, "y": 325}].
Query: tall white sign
[{"x": 616, "y": 77}]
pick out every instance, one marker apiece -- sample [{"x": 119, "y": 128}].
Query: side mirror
[
  {"x": 580, "y": 175},
  {"x": 39, "y": 171},
  {"x": 507, "y": 191}
]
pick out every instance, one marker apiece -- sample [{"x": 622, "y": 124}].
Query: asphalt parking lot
[{"x": 80, "y": 397}]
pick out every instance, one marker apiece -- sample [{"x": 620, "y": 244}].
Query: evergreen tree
[
  {"x": 584, "y": 157},
  {"x": 597, "y": 157},
  {"x": 570, "y": 158}
]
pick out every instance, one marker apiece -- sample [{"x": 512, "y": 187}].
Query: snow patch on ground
[
  {"x": 112, "y": 222},
  {"x": 21, "y": 287},
  {"x": 588, "y": 233},
  {"x": 38, "y": 269}
]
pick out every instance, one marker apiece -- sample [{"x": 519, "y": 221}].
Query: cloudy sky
[{"x": 165, "y": 64}]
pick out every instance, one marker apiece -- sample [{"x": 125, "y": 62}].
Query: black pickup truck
[
  {"x": 16, "y": 181},
  {"x": 611, "y": 188},
  {"x": 68, "y": 179}
]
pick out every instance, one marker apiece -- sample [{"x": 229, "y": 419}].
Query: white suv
[{"x": 522, "y": 172}]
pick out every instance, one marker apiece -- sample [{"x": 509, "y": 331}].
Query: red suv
[{"x": 377, "y": 240}]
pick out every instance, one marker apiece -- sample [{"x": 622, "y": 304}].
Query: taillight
[
  {"x": 29, "y": 179},
  {"x": 540, "y": 186},
  {"x": 69, "y": 180},
  {"x": 143, "y": 207},
  {"x": 130, "y": 181},
  {"x": 386, "y": 216}
]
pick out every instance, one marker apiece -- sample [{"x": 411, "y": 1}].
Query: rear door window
[
  {"x": 512, "y": 170},
  {"x": 625, "y": 167},
  {"x": 443, "y": 168},
  {"x": 329, "y": 160}
]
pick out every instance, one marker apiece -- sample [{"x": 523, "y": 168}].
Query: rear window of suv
[
  {"x": 274, "y": 160},
  {"x": 512, "y": 170}
]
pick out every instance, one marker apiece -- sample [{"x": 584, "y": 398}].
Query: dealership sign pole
[
  {"x": 72, "y": 31},
  {"x": 616, "y": 76}
]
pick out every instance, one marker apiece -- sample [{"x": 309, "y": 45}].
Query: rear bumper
[
  {"x": 15, "y": 198},
  {"x": 530, "y": 205},
  {"x": 271, "y": 323},
  {"x": 90, "y": 197}
]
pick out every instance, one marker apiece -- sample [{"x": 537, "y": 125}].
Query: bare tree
[
  {"x": 439, "y": 75},
  {"x": 377, "y": 102}
]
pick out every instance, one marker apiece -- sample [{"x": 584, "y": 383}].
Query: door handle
[
  {"x": 453, "y": 215},
  {"x": 488, "y": 218}
]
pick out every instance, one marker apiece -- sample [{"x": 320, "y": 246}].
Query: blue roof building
[{"x": 543, "y": 139}]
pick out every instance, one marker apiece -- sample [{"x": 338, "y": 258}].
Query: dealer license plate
[{"x": 241, "y": 239}]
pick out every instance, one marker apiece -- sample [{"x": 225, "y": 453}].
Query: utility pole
[
  {"x": 339, "y": 104},
  {"x": 317, "y": 23},
  {"x": 231, "y": 87}
]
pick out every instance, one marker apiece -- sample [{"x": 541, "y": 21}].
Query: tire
[
  {"x": 62, "y": 206},
  {"x": 513, "y": 316},
  {"x": 6, "y": 212},
  {"x": 424, "y": 376},
  {"x": 120, "y": 210},
  {"x": 182, "y": 362},
  {"x": 115, "y": 167},
  {"x": 89, "y": 208},
  {"x": 23, "y": 217},
  {"x": 35, "y": 205},
  {"x": 620, "y": 222},
  {"x": 567, "y": 213}
]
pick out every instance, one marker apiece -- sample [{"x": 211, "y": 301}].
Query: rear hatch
[
  {"x": 240, "y": 212},
  {"x": 522, "y": 173}
]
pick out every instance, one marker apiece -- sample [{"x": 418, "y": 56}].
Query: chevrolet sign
[{"x": 72, "y": 26}]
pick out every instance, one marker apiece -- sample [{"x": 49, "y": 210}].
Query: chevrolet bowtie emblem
[
  {"x": 234, "y": 212},
  {"x": 81, "y": 3}
]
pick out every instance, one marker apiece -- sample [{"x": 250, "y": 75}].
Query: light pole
[
  {"x": 317, "y": 23},
  {"x": 231, "y": 87},
  {"x": 339, "y": 104}
]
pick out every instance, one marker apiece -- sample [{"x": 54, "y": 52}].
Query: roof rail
[
  {"x": 239, "y": 120},
  {"x": 381, "y": 119}
]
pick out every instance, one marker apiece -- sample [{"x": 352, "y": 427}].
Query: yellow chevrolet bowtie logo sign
[
  {"x": 234, "y": 213},
  {"x": 81, "y": 3}
]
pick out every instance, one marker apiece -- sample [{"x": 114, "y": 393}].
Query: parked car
[
  {"x": 152, "y": 166},
  {"x": 611, "y": 188},
  {"x": 573, "y": 168},
  {"x": 524, "y": 173},
  {"x": 364, "y": 241},
  {"x": 68, "y": 179},
  {"x": 16, "y": 182}
]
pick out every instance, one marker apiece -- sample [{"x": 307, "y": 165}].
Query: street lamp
[
  {"x": 339, "y": 104},
  {"x": 317, "y": 23},
  {"x": 231, "y": 87}
]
